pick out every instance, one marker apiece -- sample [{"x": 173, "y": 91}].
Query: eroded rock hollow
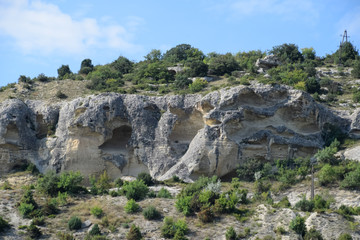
[{"x": 187, "y": 136}]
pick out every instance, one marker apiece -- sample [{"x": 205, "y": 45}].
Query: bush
[
  {"x": 326, "y": 155},
  {"x": 206, "y": 215},
  {"x": 305, "y": 205},
  {"x": 119, "y": 182},
  {"x": 230, "y": 234},
  {"x": 50, "y": 207},
  {"x": 96, "y": 211},
  {"x": 182, "y": 204},
  {"x": 70, "y": 182},
  {"x": 170, "y": 228},
  {"x": 134, "y": 233},
  {"x": 327, "y": 175},
  {"x": 146, "y": 178},
  {"x": 60, "y": 94},
  {"x": 4, "y": 225},
  {"x": 283, "y": 203},
  {"x": 313, "y": 234},
  {"x": 33, "y": 231},
  {"x": 352, "y": 179},
  {"x": 74, "y": 223},
  {"x": 164, "y": 193},
  {"x": 39, "y": 221},
  {"x": 63, "y": 70},
  {"x": 95, "y": 230},
  {"x": 131, "y": 206},
  {"x": 136, "y": 190},
  {"x": 345, "y": 236},
  {"x": 151, "y": 213},
  {"x": 248, "y": 169},
  {"x": 298, "y": 225},
  {"x": 65, "y": 236},
  {"x": 197, "y": 85},
  {"x": 356, "y": 70},
  {"x": 26, "y": 209},
  {"x": 48, "y": 184}
]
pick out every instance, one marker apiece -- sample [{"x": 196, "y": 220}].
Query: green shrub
[
  {"x": 33, "y": 231},
  {"x": 298, "y": 225},
  {"x": 70, "y": 182},
  {"x": 39, "y": 221},
  {"x": 119, "y": 182},
  {"x": 320, "y": 203},
  {"x": 283, "y": 203},
  {"x": 182, "y": 204},
  {"x": 230, "y": 234},
  {"x": 114, "y": 193},
  {"x": 60, "y": 94},
  {"x": 48, "y": 184},
  {"x": 207, "y": 198},
  {"x": 134, "y": 233},
  {"x": 164, "y": 193},
  {"x": 313, "y": 234},
  {"x": 65, "y": 236},
  {"x": 96, "y": 211},
  {"x": 95, "y": 230},
  {"x": 103, "y": 183},
  {"x": 146, "y": 178},
  {"x": 327, "y": 175},
  {"x": 356, "y": 69},
  {"x": 280, "y": 230},
  {"x": 131, "y": 206},
  {"x": 74, "y": 223},
  {"x": 347, "y": 212},
  {"x": 197, "y": 85},
  {"x": 151, "y": 213},
  {"x": 136, "y": 190},
  {"x": 26, "y": 209},
  {"x": 345, "y": 236},
  {"x": 170, "y": 228},
  {"x": 50, "y": 207},
  {"x": 4, "y": 225},
  {"x": 352, "y": 179},
  {"x": 152, "y": 194},
  {"x": 326, "y": 155},
  {"x": 305, "y": 205},
  {"x": 247, "y": 170}
]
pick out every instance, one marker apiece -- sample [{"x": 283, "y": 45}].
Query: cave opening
[{"x": 119, "y": 141}]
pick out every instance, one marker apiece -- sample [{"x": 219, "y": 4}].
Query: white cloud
[
  {"x": 39, "y": 27},
  {"x": 288, "y": 9}
]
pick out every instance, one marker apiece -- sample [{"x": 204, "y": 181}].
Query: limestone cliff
[{"x": 187, "y": 135}]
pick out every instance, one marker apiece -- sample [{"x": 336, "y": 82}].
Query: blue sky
[{"x": 39, "y": 36}]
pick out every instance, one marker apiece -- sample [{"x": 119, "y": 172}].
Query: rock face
[
  {"x": 187, "y": 136},
  {"x": 267, "y": 62}
]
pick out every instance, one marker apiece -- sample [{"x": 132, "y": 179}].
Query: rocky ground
[{"x": 115, "y": 223}]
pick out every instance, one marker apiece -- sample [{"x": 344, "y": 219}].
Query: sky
[{"x": 38, "y": 36}]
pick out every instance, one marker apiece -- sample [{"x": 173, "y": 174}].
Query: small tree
[
  {"x": 63, "y": 71},
  {"x": 356, "y": 70},
  {"x": 298, "y": 225},
  {"x": 230, "y": 234},
  {"x": 86, "y": 66},
  {"x": 74, "y": 223},
  {"x": 134, "y": 233},
  {"x": 136, "y": 190}
]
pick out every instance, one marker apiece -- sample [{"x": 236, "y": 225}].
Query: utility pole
[
  {"x": 313, "y": 161},
  {"x": 344, "y": 40}
]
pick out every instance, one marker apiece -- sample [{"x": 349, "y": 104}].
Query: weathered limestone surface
[{"x": 186, "y": 136}]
